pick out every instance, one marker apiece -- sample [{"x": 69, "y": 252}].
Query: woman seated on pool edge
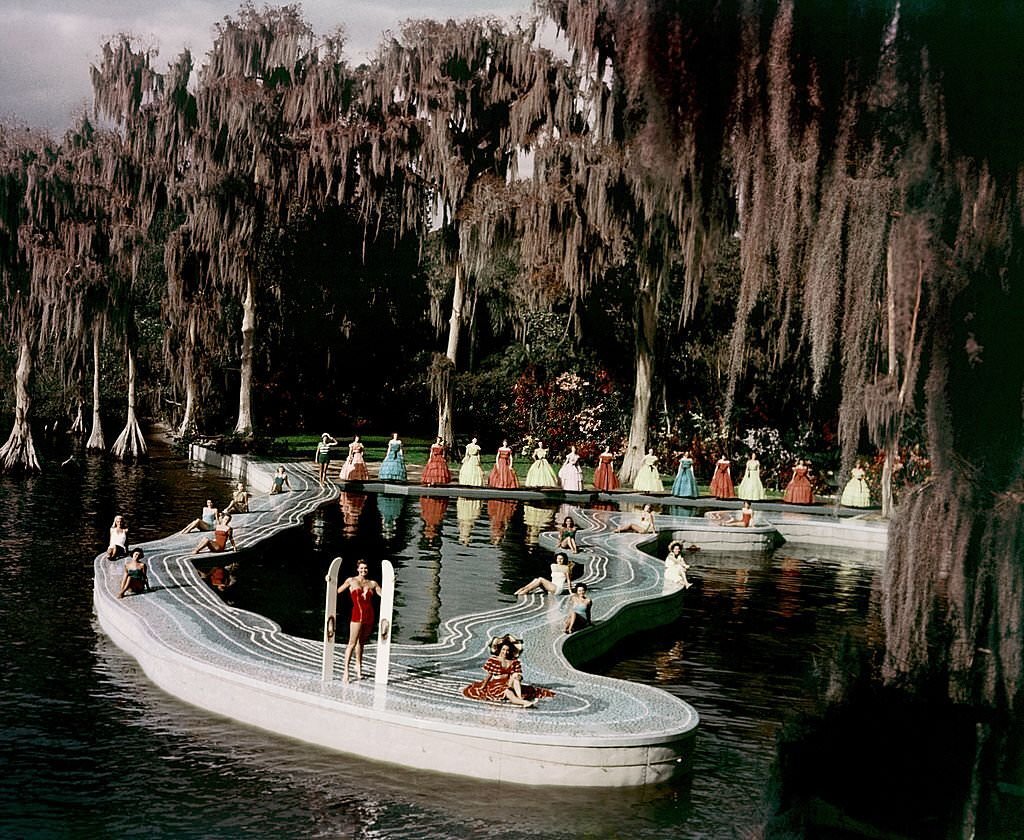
[
  {"x": 579, "y": 609},
  {"x": 222, "y": 534},
  {"x": 136, "y": 578},
  {"x": 567, "y": 535},
  {"x": 503, "y": 682},
  {"x": 206, "y": 522},
  {"x": 644, "y": 526},
  {"x": 561, "y": 575}
]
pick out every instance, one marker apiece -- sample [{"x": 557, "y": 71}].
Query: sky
[{"x": 47, "y": 46}]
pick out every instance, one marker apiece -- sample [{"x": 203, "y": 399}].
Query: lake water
[{"x": 91, "y": 749}]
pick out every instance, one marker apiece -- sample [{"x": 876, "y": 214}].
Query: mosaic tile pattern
[{"x": 186, "y": 616}]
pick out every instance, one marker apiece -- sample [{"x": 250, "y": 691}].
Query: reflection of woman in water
[
  {"x": 504, "y": 677},
  {"x": 500, "y": 512},
  {"x": 466, "y": 512},
  {"x": 361, "y": 589},
  {"x": 432, "y": 511},
  {"x": 536, "y": 520}
]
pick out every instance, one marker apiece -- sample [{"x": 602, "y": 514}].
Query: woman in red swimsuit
[{"x": 362, "y": 590}]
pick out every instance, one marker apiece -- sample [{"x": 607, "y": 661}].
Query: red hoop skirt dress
[
  {"x": 436, "y": 471},
  {"x": 721, "y": 482},
  {"x": 604, "y": 476},
  {"x": 799, "y": 490},
  {"x": 502, "y": 475},
  {"x": 493, "y": 690}
]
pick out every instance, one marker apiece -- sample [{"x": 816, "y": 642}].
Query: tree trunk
[
  {"x": 19, "y": 452},
  {"x": 646, "y": 330},
  {"x": 188, "y": 421},
  {"x": 130, "y": 443},
  {"x": 78, "y": 424},
  {"x": 888, "y": 468},
  {"x": 446, "y": 401},
  {"x": 96, "y": 439},
  {"x": 244, "y": 424}
]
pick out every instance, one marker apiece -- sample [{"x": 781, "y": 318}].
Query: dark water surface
[{"x": 91, "y": 749}]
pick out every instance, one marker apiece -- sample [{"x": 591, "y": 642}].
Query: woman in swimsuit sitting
[
  {"x": 239, "y": 500},
  {"x": 361, "y": 589},
  {"x": 206, "y": 522},
  {"x": 561, "y": 575},
  {"x": 222, "y": 534},
  {"x": 579, "y": 609},
  {"x": 644, "y": 526},
  {"x": 136, "y": 579},
  {"x": 118, "y": 539},
  {"x": 280, "y": 482},
  {"x": 567, "y": 535}
]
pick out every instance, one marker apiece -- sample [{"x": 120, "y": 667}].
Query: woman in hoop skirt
[
  {"x": 502, "y": 475},
  {"x": 471, "y": 473},
  {"x": 751, "y": 487},
  {"x": 721, "y": 482},
  {"x": 503, "y": 682},
  {"x": 355, "y": 467},
  {"x": 799, "y": 490},
  {"x": 570, "y": 474},
  {"x": 856, "y": 493},
  {"x": 541, "y": 474},
  {"x": 361, "y": 589},
  {"x": 648, "y": 480},
  {"x": 436, "y": 471},
  {"x": 392, "y": 468},
  {"x": 604, "y": 476},
  {"x": 685, "y": 484}
]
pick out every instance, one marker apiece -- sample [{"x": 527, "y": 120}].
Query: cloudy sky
[{"x": 46, "y": 46}]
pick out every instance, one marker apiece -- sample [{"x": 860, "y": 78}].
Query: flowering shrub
[{"x": 566, "y": 410}]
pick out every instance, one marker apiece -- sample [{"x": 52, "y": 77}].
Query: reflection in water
[
  {"x": 466, "y": 512},
  {"x": 351, "y": 508},
  {"x": 789, "y": 587},
  {"x": 537, "y": 520},
  {"x": 317, "y": 526},
  {"x": 500, "y": 512},
  {"x": 91, "y": 726},
  {"x": 432, "y": 510},
  {"x": 741, "y": 591},
  {"x": 390, "y": 508}
]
